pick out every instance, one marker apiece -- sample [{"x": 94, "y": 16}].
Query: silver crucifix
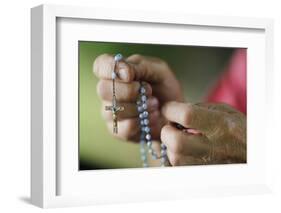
[{"x": 114, "y": 108}]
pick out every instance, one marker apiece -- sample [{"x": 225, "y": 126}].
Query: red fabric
[{"x": 231, "y": 87}]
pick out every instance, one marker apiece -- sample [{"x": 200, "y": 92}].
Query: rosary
[{"x": 145, "y": 130}]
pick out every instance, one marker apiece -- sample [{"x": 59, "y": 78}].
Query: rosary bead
[
  {"x": 142, "y": 122},
  {"x": 140, "y": 109},
  {"x": 163, "y": 152},
  {"x": 113, "y": 75},
  {"x": 146, "y": 122},
  {"x": 143, "y": 157},
  {"x": 144, "y": 106},
  {"x": 145, "y": 114},
  {"x": 143, "y": 98},
  {"x": 148, "y": 137},
  {"x": 138, "y": 102},
  {"x": 118, "y": 57},
  {"x": 142, "y": 90},
  {"x": 163, "y": 146},
  {"x": 141, "y": 116},
  {"x": 149, "y": 144},
  {"x": 146, "y": 129}
]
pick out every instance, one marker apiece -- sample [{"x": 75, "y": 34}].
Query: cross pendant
[{"x": 114, "y": 109}]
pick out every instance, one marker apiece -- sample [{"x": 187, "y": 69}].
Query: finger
[
  {"x": 174, "y": 158},
  {"x": 134, "y": 68},
  {"x": 130, "y": 109},
  {"x": 218, "y": 107},
  {"x": 183, "y": 143},
  {"x": 104, "y": 65},
  {"x": 193, "y": 116},
  {"x": 125, "y": 92},
  {"x": 148, "y": 69},
  {"x": 183, "y": 160},
  {"x": 129, "y": 129}
]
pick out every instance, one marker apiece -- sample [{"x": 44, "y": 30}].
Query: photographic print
[
  {"x": 172, "y": 97},
  {"x": 148, "y": 105}
]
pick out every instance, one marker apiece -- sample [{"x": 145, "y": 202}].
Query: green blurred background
[{"x": 197, "y": 68}]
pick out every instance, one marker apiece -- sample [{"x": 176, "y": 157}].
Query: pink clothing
[{"x": 231, "y": 87}]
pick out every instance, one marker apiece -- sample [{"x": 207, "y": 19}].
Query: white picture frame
[{"x": 55, "y": 183}]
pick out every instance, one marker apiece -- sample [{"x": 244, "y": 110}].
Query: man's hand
[
  {"x": 161, "y": 87},
  {"x": 210, "y": 133}
]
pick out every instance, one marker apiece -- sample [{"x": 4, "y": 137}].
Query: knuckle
[
  {"x": 187, "y": 114},
  {"x": 235, "y": 124},
  {"x": 136, "y": 57}
]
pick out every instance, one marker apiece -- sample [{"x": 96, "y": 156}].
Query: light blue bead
[
  {"x": 145, "y": 114},
  {"x": 113, "y": 75},
  {"x": 163, "y": 160},
  {"x": 142, "y": 142},
  {"x": 138, "y": 102},
  {"x": 148, "y": 137},
  {"x": 144, "y": 106},
  {"x": 118, "y": 57},
  {"x": 146, "y": 129},
  {"x": 146, "y": 122},
  {"x": 143, "y": 98},
  {"x": 163, "y": 152},
  {"x": 163, "y": 146},
  {"x": 143, "y": 157},
  {"x": 141, "y": 116},
  {"x": 142, "y": 122},
  {"x": 149, "y": 144},
  {"x": 140, "y": 109},
  {"x": 142, "y": 90}
]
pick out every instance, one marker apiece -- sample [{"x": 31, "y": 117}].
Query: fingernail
[
  {"x": 193, "y": 131},
  {"x": 123, "y": 74}
]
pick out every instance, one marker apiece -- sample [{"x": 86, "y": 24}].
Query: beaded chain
[
  {"x": 142, "y": 108},
  {"x": 145, "y": 135}
]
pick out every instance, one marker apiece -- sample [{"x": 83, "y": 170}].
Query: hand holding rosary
[{"x": 145, "y": 129}]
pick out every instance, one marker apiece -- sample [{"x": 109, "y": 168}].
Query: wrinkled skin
[{"x": 209, "y": 133}]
